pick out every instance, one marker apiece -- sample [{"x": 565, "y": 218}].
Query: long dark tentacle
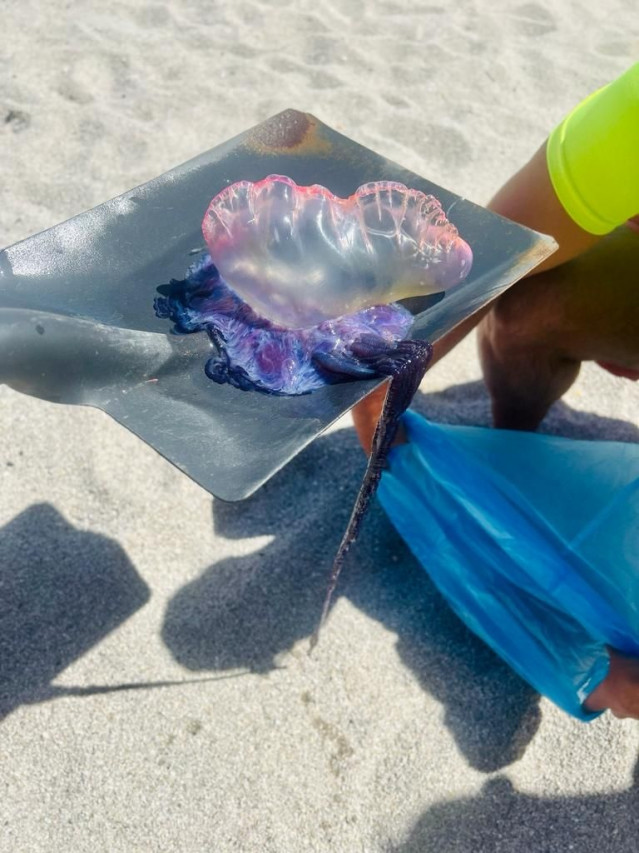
[{"x": 406, "y": 366}]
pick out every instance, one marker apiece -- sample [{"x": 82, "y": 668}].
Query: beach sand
[{"x": 155, "y": 686}]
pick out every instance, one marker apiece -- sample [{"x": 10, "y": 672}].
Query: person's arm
[{"x": 530, "y": 199}]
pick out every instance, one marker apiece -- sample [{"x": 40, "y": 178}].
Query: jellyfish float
[{"x": 299, "y": 289}]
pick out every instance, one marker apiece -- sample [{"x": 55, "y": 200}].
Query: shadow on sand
[
  {"x": 500, "y": 818},
  {"x": 62, "y": 591}
]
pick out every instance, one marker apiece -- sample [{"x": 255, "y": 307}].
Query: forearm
[{"x": 529, "y": 199}]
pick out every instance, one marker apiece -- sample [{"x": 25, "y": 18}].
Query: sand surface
[{"x": 154, "y": 684}]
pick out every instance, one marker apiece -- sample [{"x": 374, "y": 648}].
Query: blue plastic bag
[{"x": 534, "y": 541}]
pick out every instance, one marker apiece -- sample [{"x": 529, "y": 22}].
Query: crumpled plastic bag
[{"x": 533, "y": 540}]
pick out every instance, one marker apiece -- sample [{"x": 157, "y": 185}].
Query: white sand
[{"x": 403, "y": 732}]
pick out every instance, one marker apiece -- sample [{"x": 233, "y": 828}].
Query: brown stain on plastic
[{"x": 288, "y": 132}]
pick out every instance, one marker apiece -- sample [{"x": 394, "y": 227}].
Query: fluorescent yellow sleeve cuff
[{"x": 593, "y": 156}]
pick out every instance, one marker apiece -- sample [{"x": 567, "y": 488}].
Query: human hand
[{"x": 619, "y": 691}]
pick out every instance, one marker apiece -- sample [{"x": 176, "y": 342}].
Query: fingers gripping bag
[{"x": 532, "y": 539}]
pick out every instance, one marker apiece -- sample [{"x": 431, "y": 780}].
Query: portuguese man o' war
[
  {"x": 300, "y": 255},
  {"x": 299, "y": 290}
]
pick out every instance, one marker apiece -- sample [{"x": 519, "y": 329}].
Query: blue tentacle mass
[{"x": 255, "y": 354}]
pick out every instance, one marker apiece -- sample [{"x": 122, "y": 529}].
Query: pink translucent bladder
[{"x": 301, "y": 255}]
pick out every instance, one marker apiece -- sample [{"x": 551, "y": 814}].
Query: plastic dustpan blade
[{"x": 77, "y": 323}]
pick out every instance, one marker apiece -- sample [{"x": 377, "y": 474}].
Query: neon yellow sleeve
[{"x": 593, "y": 156}]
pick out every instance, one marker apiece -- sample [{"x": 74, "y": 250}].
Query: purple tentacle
[{"x": 406, "y": 367}]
